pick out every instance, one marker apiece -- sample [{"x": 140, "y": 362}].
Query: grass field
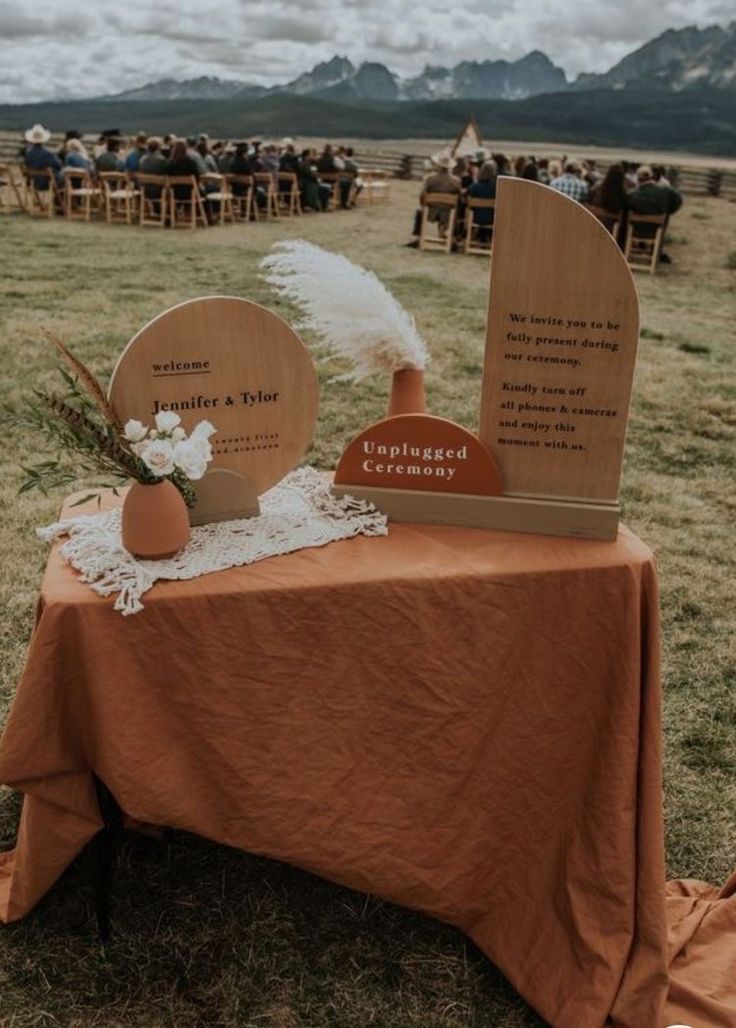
[{"x": 213, "y": 937}]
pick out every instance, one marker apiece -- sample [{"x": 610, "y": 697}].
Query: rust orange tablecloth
[{"x": 463, "y": 722}]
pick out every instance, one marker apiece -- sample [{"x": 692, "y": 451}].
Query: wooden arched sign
[
  {"x": 237, "y": 365},
  {"x": 563, "y": 328}
]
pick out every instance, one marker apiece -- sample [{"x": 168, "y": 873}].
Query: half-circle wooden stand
[{"x": 394, "y": 465}]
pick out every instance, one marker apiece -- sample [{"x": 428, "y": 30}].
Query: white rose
[
  {"x": 202, "y": 431},
  {"x": 167, "y": 420},
  {"x": 190, "y": 456},
  {"x": 134, "y": 431},
  {"x": 178, "y": 434},
  {"x": 158, "y": 457}
]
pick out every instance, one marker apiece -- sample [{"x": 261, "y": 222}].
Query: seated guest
[
  {"x": 439, "y": 181},
  {"x": 101, "y": 144},
  {"x": 269, "y": 158},
  {"x": 193, "y": 154},
  {"x": 543, "y": 175},
  {"x": 179, "y": 164},
  {"x": 315, "y": 195},
  {"x": 217, "y": 150},
  {"x": 350, "y": 182},
  {"x": 570, "y": 183},
  {"x": 69, "y": 134},
  {"x": 519, "y": 165},
  {"x": 136, "y": 153},
  {"x": 630, "y": 174},
  {"x": 110, "y": 159},
  {"x": 484, "y": 189},
  {"x": 530, "y": 171},
  {"x": 326, "y": 162},
  {"x": 40, "y": 157},
  {"x": 591, "y": 174},
  {"x": 244, "y": 163},
  {"x": 203, "y": 149},
  {"x": 288, "y": 161},
  {"x": 610, "y": 195},
  {"x": 167, "y": 145},
  {"x": 554, "y": 169},
  {"x": 659, "y": 175},
  {"x": 76, "y": 155},
  {"x": 462, "y": 171},
  {"x": 153, "y": 161},
  {"x": 503, "y": 164},
  {"x": 224, "y": 158},
  {"x": 649, "y": 197}
]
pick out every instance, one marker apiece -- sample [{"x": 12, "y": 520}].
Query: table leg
[{"x": 105, "y": 844}]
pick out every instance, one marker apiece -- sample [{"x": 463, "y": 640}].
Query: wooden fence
[{"x": 690, "y": 179}]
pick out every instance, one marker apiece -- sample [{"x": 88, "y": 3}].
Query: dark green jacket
[{"x": 650, "y": 198}]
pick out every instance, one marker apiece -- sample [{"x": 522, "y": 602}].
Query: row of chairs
[
  {"x": 164, "y": 200},
  {"x": 643, "y": 240},
  {"x": 642, "y": 244}
]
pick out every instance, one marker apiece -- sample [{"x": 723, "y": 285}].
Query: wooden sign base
[
  {"x": 500, "y": 513},
  {"x": 224, "y": 495}
]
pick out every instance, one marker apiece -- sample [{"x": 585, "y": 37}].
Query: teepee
[{"x": 468, "y": 141}]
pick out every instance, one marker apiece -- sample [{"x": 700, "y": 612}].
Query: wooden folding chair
[
  {"x": 331, "y": 179},
  {"x": 288, "y": 194},
  {"x": 41, "y": 197},
  {"x": 445, "y": 235},
  {"x": 153, "y": 200},
  {"x": 264, "y": 180},
  {"x": 121, "y": 197},
  {"x": 608, "y": 219},
  {"x": 10, "y": 194},
  {"x": 219, "y": 193},
  {"x": 186, "y": 206},
  {"x": 81, "y": 195},
  {"x": 644, "y": 238},
  {"x": 242, "y": 199},
  {"x": 474, "y": 233},
  {"x": 376, "y": 185}
]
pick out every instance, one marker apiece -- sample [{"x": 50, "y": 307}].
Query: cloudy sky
[{"x": 61, "y": 48}]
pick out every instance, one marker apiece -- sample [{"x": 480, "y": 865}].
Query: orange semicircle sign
[{"x": 419, "y": 452}]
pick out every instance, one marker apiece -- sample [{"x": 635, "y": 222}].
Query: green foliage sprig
[{"x": 82, "y": 428}]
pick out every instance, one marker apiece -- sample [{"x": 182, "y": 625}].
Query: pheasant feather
[
  {"x": 93, "y": 388},
  {"x": 347, "y": 307}
]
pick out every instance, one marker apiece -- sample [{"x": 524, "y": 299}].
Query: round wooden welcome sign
[{"x": 235, "y": 364}]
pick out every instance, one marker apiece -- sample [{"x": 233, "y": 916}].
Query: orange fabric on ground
[{"x": 463, "y": 722}]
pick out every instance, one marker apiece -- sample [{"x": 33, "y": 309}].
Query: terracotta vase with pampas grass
[{"x": 355, "y": 317}]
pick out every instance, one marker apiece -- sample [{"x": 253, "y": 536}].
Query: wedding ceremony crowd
[
  {"x": 624, "y": 190},
  {"x": 321, "y": 179}
]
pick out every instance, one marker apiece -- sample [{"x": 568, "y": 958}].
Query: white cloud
[{"x": 58, "y": 48}]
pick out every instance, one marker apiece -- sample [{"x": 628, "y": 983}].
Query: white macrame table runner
[{"x": 299, "y": 512}]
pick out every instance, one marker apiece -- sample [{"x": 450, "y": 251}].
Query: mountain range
[{"x": 677, "y": 60}]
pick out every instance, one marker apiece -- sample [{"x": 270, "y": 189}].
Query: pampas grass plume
[{"x": 348, "y": 308}]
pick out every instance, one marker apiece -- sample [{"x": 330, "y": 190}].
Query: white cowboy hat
[
  {"x": 287, "y": 141},
  {"x": 442, "y": 160},
  {"x": 38, "y": 134}
]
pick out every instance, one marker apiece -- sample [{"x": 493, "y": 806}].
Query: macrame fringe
[{"x": 298, "y": 513}]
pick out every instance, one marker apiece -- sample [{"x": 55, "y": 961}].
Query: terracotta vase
[
  {"x": 155, "y": 520},
  {"x": 407, "y": 393}
]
